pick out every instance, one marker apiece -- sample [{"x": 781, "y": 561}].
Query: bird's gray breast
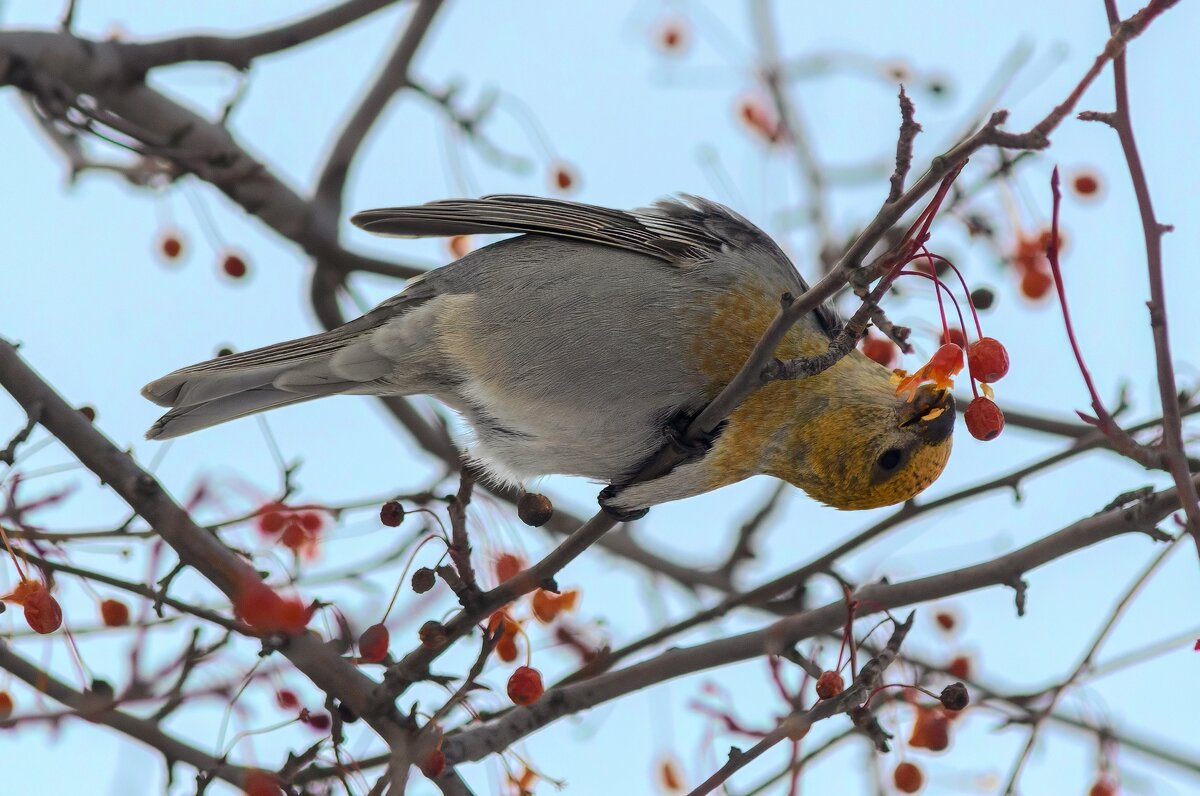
[{"x": 569, "y": 357}]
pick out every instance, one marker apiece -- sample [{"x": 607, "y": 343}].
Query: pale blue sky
[{"x": 99, "y": 316}]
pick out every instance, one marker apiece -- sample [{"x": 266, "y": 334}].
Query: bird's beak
[{"x": 931, "y": 413}]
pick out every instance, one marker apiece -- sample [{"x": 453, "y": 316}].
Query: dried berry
[
  {"x": 391, "y": 514},
  {"x": 373, "y": 643},
  {"x": 984, "y": 419},
  {"x": 534, "y": 510},
  {"x": 908, "y": 778},
  {"x": 89, "y": 413},
  {"x": 983, "y": 298},
  {"x": 525, "y": 685},
  {"x": 987, "y": 359},
  {"x": 955, "y": 697},
  {"x": 432, "y": 633},
  {"x": 114, "y": 613},
  {"x": 829, "y": 685},
  {"x": 423, "y": 580}
]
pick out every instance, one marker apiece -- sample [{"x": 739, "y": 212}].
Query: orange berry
[
  {"x": 908, "y": 778},
  {"x": 562, "y": 176},
  {"x": 114, "y": 613},
  {"x": 459, "y": 245},
  {"x": 1086, "y": 184},
  {"x": 670, "y": 777},
  {"x": 261, "y": 607},
  {"x": 525, "y": 685},
  {"x": 507, "y": 566},
  {"x": 931, "y": 731},
  {"x": 6, "y": 705},
  {"x": 674, "y": 37},
  {"x": 984, "y": 419},
  {"x": 987, "y": 360},
  {"x": 373, "y": 644},
  {"x": 1036, "y": 283},
  {"x": 829, "y": 685},
  {"x": 879, "y": 349}
]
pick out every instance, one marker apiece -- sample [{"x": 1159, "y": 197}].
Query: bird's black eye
[{"x": 890, "y": 459}]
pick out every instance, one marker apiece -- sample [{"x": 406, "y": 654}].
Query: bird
[{"x": 583, "y": 342}]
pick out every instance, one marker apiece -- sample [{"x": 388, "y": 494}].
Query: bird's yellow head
[
  {"x": 870, "y": 449},
  {"x": 843, "y": 436}
]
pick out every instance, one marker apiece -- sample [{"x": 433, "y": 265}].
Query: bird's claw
[{"x": 608, "y": 495}]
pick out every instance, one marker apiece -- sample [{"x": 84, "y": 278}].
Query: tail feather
[{"x": 237, "y": 385}]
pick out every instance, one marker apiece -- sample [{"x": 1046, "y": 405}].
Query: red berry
[
  {"x": 391, "y": 514},
  {"x": 373, "y": 644},
  {"x": 879, "y": 349},
  {"x": 1104, "y": 786},
  {"x": 1086, "y": 183},
  {"x": 987, "y": 359},
  {"x": 261, "y": 607},
  {"x": 525, "y": 685},
  {"x": 434, "y": 764},
  {"x": 959, "y": 667},
  {"x": 88, "y": 412},
  {"x": 946, "y": 620},
  {"x": 1035, "y": 284},
  {"x": 170, "y": 244},
  {"x": 953, "y": 335},
  {"x": 287, "y": 699},
  {"x": 318, "y": 721},
  {"x": 506, "y": 649},
  {"x": 312, "y": 521},
  {"x": 673, "y": 37},
  {"x": 43, "y": 614},
  {"x": 984, "y": 419},
  {"x": 260, "y": 783},
  {"x": 233, "y": 266},
  {"x": 829, "y": 685},
  {"x": 908, "y": 778},
  {"x": 6, "y": 705},
  {"x": 562, "y": 176},
  {"x": 294, "y": 537},
  {"x": 114, "y": 613},
  {"x": 272, "y": 518}
]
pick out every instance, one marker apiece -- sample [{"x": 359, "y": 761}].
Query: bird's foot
[
  {"x": 675, "y": 433},
  {"x": 608, "y": 495}
]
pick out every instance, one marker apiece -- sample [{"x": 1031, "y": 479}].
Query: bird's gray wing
[{"x": 686, "y": 232}]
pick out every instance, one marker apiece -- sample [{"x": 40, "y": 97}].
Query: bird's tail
[{"x": 237, "y": 385}]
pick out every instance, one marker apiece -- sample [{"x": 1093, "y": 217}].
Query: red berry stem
[
  {"x": 967, "y": 292},
  {"x": 939, "y": 287},
  {"x": 1102, "y": 414}
]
